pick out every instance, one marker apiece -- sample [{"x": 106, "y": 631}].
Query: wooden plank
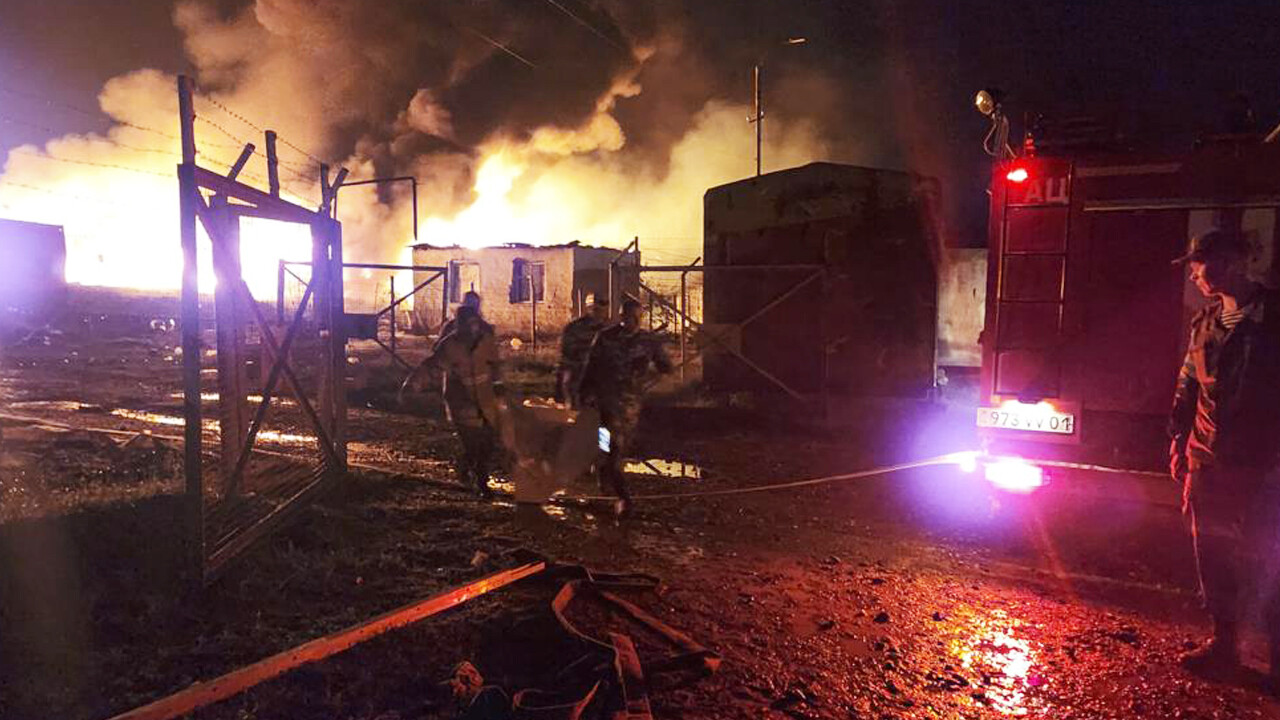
[
  {"x": 273, "y": 164},
  {"x": 237, "y": 681},
  {"x": 227, "y": 548},
  {"x": 188, "y": 201},
  {"x": 282, "y": 209},
  {"x": 233, "y": 369},
  {"x": 240, "y": 162},
  {"x": 265, "y": 213}
]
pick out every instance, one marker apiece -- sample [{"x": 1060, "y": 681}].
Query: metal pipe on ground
[{"x": 206, "y": 693}]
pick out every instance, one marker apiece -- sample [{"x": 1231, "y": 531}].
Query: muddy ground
[{"x": 918, "y": 594}]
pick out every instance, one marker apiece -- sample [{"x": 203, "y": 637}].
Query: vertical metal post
[
  {"x": 338, "y": 341},
  {"x": 613, "y": 268},
  {"x": 684, "y": 312},
  {"x": 444, "y": 296},
  {"x": 414, "y": 182},
  {"x": 758, "y": 117},
  {"x": 319, "y": 282},
  {"x": 280, "y": 294},
  {"x": 533, "y": 309},
  {"x": 393, "y": 316},
  {"x": 273, "y": 170},
  {"x": 188, "y": 196}
]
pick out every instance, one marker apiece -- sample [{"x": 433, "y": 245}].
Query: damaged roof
[{"x": 517, "y": 246}]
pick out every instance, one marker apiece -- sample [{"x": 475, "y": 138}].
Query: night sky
[{"x": 888, "y": 83}]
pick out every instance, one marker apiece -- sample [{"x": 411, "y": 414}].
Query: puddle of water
[
  {"x": 502, "y": 485},
  {"x": 664, "y": 468},
  {"x": 153, "y": 418},
  {"x": 65, "y": 405},
  {"x": 213, "y": 397},
  {"x": 209, "y": 425},
  {"x": 991, "y": 647},
  {"x": 285, "y": 438}
]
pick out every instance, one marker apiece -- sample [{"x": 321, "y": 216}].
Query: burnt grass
[{"x": 917, "y": 595}]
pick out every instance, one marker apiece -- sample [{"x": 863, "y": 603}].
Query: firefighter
[
  {"x": 575, "y": 344},
  {"x": 470, "y": 299},
  {"x": 468, "y": 358},
  {"x": 614, "y": 380},
  {"x": 1225, "y": 429}
]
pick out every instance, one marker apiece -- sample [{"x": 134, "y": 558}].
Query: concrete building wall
[
  {"x": 571, "y": 272},
  {"x": 962, "y": 297}
]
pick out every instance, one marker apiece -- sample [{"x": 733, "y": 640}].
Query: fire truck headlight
[
  {"x": 1014, "y": 475},
  {"x": 966, "y": 461}
]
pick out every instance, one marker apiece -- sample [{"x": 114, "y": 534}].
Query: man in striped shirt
[{"x": 1225, "y": 427}]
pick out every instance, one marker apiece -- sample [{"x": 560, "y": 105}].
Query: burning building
[{"x": 525, "y": 288}]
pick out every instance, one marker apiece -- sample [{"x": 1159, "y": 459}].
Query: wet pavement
[{"x": 919, "y": 594}]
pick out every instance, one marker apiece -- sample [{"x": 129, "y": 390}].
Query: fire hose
[
  {"x": 609, "y": 675},
  {"x": 940, "y": 460}
]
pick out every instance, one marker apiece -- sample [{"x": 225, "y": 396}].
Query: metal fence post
[
  {"x": 533, "y": 311},
  {"x": 684, "y": 310},
  {"x": 393, "y": 314},
  {"x": 280, "y": 293}
]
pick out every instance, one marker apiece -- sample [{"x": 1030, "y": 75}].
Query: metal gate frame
[
  {"x": 814, "y": 273},
  {"x": 220, "y": 218},
  {"x": 437, "y": 273}
]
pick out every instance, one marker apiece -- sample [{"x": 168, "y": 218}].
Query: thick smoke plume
[{"x": 525, "y": 121}]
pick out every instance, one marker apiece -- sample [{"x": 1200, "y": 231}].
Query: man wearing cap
[
  {"x": 614, "y": 382},
  {"x": 1225, "y": 426},
  {"x": 575, "y": 344}
]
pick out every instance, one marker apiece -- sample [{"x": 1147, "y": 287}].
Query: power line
[
  {"x": 498, "y": 45},
  {"x": 111, "y": 166},
  {"x": 595, "y": 31},
  {"x": 97, "y": 114},
  {"x": 292, "y": 168},
  {"x": 88, "y": 138},
  {"x": 289, "y": 166},
  {"x": 59, "y": 193},
  {"x": 259, "y": 128}
]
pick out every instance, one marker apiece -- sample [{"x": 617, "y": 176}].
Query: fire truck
[{"x": 1086, "y": 316}]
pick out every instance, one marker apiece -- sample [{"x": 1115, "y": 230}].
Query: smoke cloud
[{"x": 524, "y": 121}]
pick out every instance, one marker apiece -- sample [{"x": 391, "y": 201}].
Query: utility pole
[{"x": 757, "y": 115}]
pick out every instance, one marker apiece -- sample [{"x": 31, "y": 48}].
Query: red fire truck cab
[{"x": 1086, "y": 316}]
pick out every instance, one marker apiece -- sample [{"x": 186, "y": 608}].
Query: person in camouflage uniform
[
  {"x": 614, "y": 381},
  {"x": 468, "y": 358},
  {"x": 470, "y": 299},
  {"x": 575, "y": 345},
  {"x": 1225, "y": 449}
]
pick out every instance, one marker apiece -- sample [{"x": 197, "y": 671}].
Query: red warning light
[{"x": 1017, "y": 175}]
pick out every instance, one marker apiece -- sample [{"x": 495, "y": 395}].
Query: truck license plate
[{"x": 1031, "y": 418}]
